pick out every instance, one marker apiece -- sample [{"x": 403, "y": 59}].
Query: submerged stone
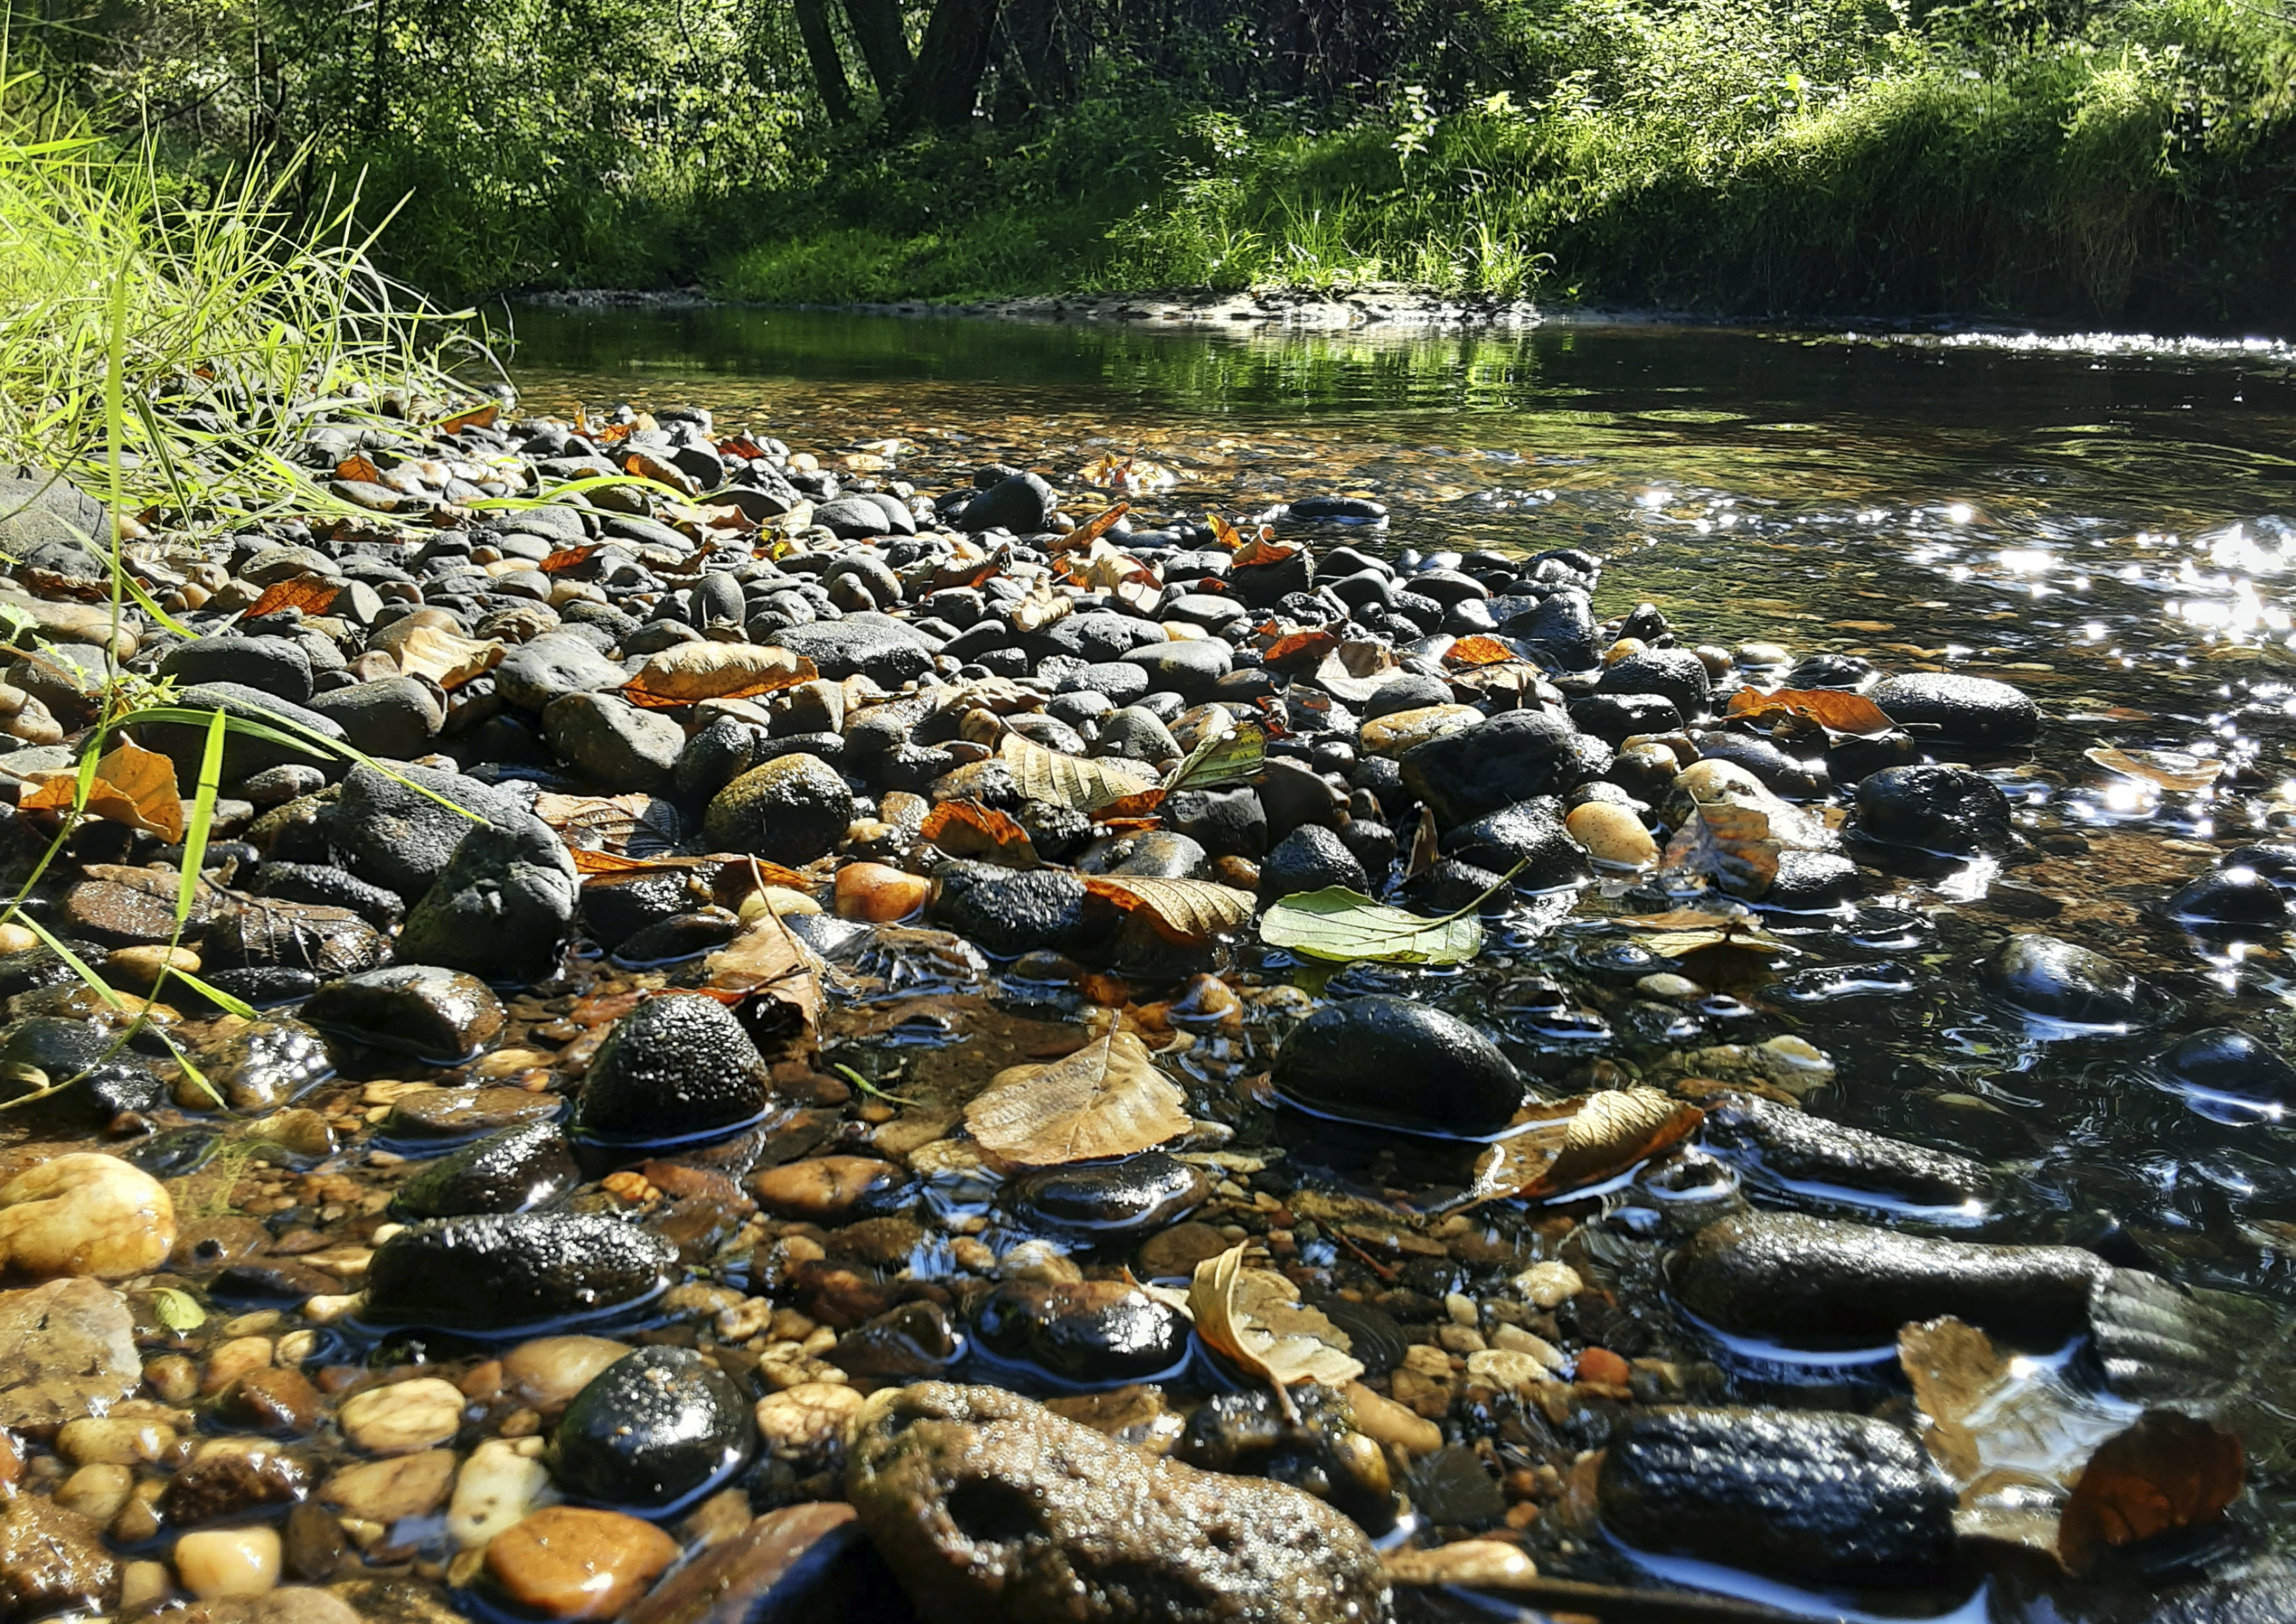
[
  {"x": 652, "y": 1433},
  {"x": 1385, "y": 1060},
  {"x": 676, "y": 1070}
]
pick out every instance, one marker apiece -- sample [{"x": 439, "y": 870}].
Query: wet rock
[
  {"x": 389, "y": 1491},
  {"x": 2231, "y": 896},
  {"x": 988, "y": 1506},
  {"x": 82, "y": 1214},
  {"x": 1108, "y": 1203},
  {"x": 810, "y": 1425},
  {"x": 1676, "y": 675},
  {"x": 1790, "y": 777},
  {"x": 400, "y": 838},
  {"x": 1612, "y": 835},
  {"x": 791, "y": 1566},
  {"x": 1225, "y": 822},
  {"x": 1940, "y": 809},
  {"x": 1316, "y": 1450},
  {"x": 2061, "y": 980},
  {"x": 499, "y": 1276},
  {"x": 790, "y": 810},
  {"x": 681, "y": 936},
  {"x": 2220, "y": 1062},
  {"x": 616, "y": 907},
  {"x": 1812, "y": 1496},
  {"x": 1007, "y": 912},
  {"x": 282, "y": 1402},
  {"x": 412, "y": 1009},
  {"x": 53, "y": 1560},
  {"x": 231, "y": 1477},
  {"x": 501, "y": 908},
  {"x": 402, "y": 1417},
  {"x": 1810, "y": 1282},
  {"x": 546, "y": 1373},
  {"x": 570, "y": 1561},
  {"x": 1310, "y": 860},
  {"x": 1344, "y": 1061},
  {"x": 452, "y": 1115},
  {"x": 270, "y": 933},
  {"x": 289, "y": 1604},
  {"x": 676, "y": 1070},
  {"x": 915, "y": 1340},
  {"x": 1525, "y": 839},
  {"x": 1091, "y": 1333},
  {"x": 67, "y": 1349},
  {"x": 515, "y": 1171},
  {"x": 1511, "y": 757},
  {"x": 1811, "y": 882},
  {"x": 829, "y": 1188},
  {"x": 1958, "y": 709},
  {"x": 617, "y": 746},
  {"x": 652, "y": 1434},
  {"x": 1451, "y": 1485},
  {"x": 1793, "y": 1146},
  {"x": 41, "y": 1051},
  {"x": 1020, "y": 503}
]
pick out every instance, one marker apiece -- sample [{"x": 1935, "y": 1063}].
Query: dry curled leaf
[
  {"x": 567, "y": 558},
  {"x": 1040, "y": 606},
  {"x": 770, "y": 965},
  {"x": 132, "y": 786},
  {"x": 2166, "y": 1471},
  {"x": 1084, "y": 783},
  {"x": 686, "y": 673},
  {"x": 2171, "y": 769},
  {"x": 1108, "y": 1099},
  {"x": 1188, "y": 912},
  {"x": 447, "y": 659},
  {"x": 1093, "y": 528},
  {"x": 1296, "y": 649},
  {"x": 311, "y": 594},
  {"x": 1353, "y": 671},
  {"x": 1611, "y": 1134},
  {"x": 1253, "y": 1317},
  {"x": 481, "y": 417},
  {"x": 1832, "y": 709},
  {"x": 968, "y": 829},
  {"x": 1478, "y": 651}
]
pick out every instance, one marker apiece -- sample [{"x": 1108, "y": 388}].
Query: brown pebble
[
  {"x": 567, "y": 1561},
  {"x": 313, "y": 1543},
  {"x": 282, "y": 1402},
  {"x": 824, "y": 1187},
  {"x": 878, "y": 894}
]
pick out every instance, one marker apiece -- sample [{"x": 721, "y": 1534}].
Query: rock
[
  {"x": 396, "y": 719},
  {"x": 513, "y": 1170},
  {"x": 1676, "y": 675},
  {"x": 67, "y": 1349},
  {"x": 52, "y": 1561},
  {"x": 230, "y": 1478},
  {"x": 501, "y": 1276},
  {"x": 1312, "y": 1443},
  {"x": 2230, "y": 896},
  {"x": 288, "y": 1604},
  {"x": 449, "y": 1116},
  {"x": 2219, "y": 1064},
  {"x": 676, "y": 1070},
  {"x": 400, "y": 838},
  {"x": 184, "y": 743},
  {"x": 1525, "y": 839},
  {"x": 829, "y": 1189},
  {"x": 1793, "y": 1146},
  {"x": 1612, "y": 835},
  {"x": 1008, "y": 912},
  {"x": 403, "y": 1418},
  {"x": 500, "y": 1483},
  {"x": 84, "y": 1214},
  {"x": 989, "y": 1507},
  {"x": 1815, "y": 1497},
  {"x": 810, "y": 1425},
  {"x": 1811, "y": 882},
  {"x": 1959, "y": 710},
  {"x": 276, "y": 666},
  {"x": 1940, "y": 809},
  {"x": 2060, "y": 981},
  {"x": 1344, "y": 1061},
  {"x": 1020, "y": 503},
  {"x": 545, "y": 1374},
  {"x": 795, "y": 1565},
  {"x": 388, "y": 1491},
  {"x": 1614, "y": 717},
  {"x": 567, "y": 1561},
  {"x": 282, "y": 1402},
  {"x": 551, "y": 666},
  {"x": 1309, "y": 860},
  {"x": 1109, "y": 1203},
  {"x": 1809, "y": 1281},
  {"x": 790, "y": 810},
  {"x": 501, "y": 908},
  {"x": 1188, "y": 667},
  {"x": 57, "y": 1049},
  {"x": 885, "y": 652},
  {"x": 1224, "y": 823},
  {"x": 1093, "y": 1334},
  {"x": 653, "y": 1432},
  {"x": 267, "y": 933},
  {"x": 412, "y": 1009},
  {"x": 616, "y": 745},
  {"x": 1513, "y": 757}
]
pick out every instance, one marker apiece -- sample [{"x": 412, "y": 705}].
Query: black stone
[
  {"x": 676, "y": 1070},
  {"x": 1390, "y": 1061},
  {"x": 515, "y": 1170},
  {"x": 652, "y": 1433},
  {"x": 514, "y": 1275}
]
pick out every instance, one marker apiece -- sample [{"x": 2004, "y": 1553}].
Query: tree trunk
[
  {"x": 884, "y": 42},
  {"x": 828, "y": 66},
  {"x": 942, "y": 91}
]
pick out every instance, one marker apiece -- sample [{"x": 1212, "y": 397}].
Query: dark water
[{"x": 2110, "y": 525}]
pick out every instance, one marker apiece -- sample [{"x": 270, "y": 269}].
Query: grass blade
[{"x": 195, "y": 834}]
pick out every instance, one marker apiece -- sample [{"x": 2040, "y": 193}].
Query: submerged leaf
[
  {"x": 1343, "y": 924},
  {"x": 1188, "y": 912},
  {"x": 1732, "y": 842},
  {"x": 1611, "y": 1133},
  {"x": 1084, "y": 783},
  {"x": 1835, "y": 710},
  {"x": 767, "y": 962},
  {"x": 1253, "y": 1317},
  {"x": 132, "y": 786},
  {"x": 2170, "y": 769},
  {"x": 1108, "y": 1099},
  {"x": 2166, "y": 1471},
  {"x": 178, "y": 1310}
]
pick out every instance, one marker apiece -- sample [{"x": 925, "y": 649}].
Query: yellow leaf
[
  {"x": 688, "y": 672},
  {"x": 1189, "y": 912},
  {"x": 1073, "y": 781},
  {"x": 1105, "y": 1100},
  {"x": 1612, "y": 1132},
  {"x": 447, "y": 660},
  {"x": 1254, "y": 1318},
  {"x": 132, "y": 785}
]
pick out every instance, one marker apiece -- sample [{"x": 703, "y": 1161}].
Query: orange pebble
[
  {"x": 1601, "y": 1364},
  {"x": 879, "y": 894}
]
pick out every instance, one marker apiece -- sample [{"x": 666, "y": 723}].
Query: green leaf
[
  {"x": 1343, "y": 924},
  {"x": 229, "y": 1002},
  {"x": 1229, "y": 757},
  {"x": 195, "y": 833},
  {"x": 179, "y": 1311},
  {"x": 184, "y": 1061},
  {"x": 102, "y": 988}
]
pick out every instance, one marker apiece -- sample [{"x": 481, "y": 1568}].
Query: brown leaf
[
  {"x": 767, "y": 962},
  {"x": 1224, "y": 534},
  {"x": 1732, "y": 842},
  {"x": 661, "y": 471},
  {"x": 447, "y": 659},
  {"x": 2166, "y": 1471},
  {"x": 567, "y": 558},
  {"x": 1425, "y": 846},
  {"x": 1832, "y": 709},
  {"x": 358, "y": 468},
  {"x": 590, "y": 861},
  {"x": 1254, "y": 1318},
  {"x": 1680, "y": 919},
  {"x": 688, "y": 672},
  {"x": 1084, "y": 783},
  {"x": 311, "y": 594},
  {"x": 968, "y": 829},
  {"x": 1478, "y": 651},
  {"x": 1093, "y": 528},
  {"x": 1612, "y": 1132},
  {"x": 482, "y": 417},
  {"x": 2171, "y": 769},
  {"x": 1297, "y": 648},
  {"x": 1354, "y": 671},
  {"x": 132, "y": 785},
  {"x": 1108, "y": 1099},
  {"x": 1262, "y": 552},
  {"x": 1188, "y": 912}
]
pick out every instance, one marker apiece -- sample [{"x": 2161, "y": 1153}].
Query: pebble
[
  {"x": 403, "y": 1418},
  {"x": 808, "y": 1425},
  {"x": 84, "y": 1214},
  {"x": 387, "y": 1492},
  {"x": 503, "y": 1481},
  {"x": 566, "y": 1562},
  {"x": 546, "y": 1373},
  {"x": 228, "y": 1562},
  {"x": 1613, "y": 836},
  {"x": 1548, "y": 1285},
  {"x": 826, "y": 1187}
]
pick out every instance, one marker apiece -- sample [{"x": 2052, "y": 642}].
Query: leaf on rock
[
  {"x": 968, "y": 829},
  {"x": 567, "y": 558},
  {"x": 1262, "y": 552},
  {"x": 1733, "y": 843},
  {"x": 445, "y": 657},
  {"x": 1611, "y": 1133},
  {"x": 1253, "y": 1317},
  {"x": 1073, "y": 781},
  {"x": 1234, "y": 757},
  {"x": 768, "y": 964},
  {"x": 1343, "y": 925},
  {"x": 132, "y": 786},
  {"x": 612, "y": 818},
  {"x": 2166, "y": 1471},
  {"x": 2170, "y": 769},
  {"x": 1297, "y": 648},
  {"x": 358, "y": 468},
  {"x": 1093, "y": 528},
  {"x": 311, "y": 594},
  {"x": 1108, "y": 1099},
  {"x": 482, "y": 417},
  {"x": 1478, "y": 651},
  {"x": 1354, "y": 671},
  {"x": 1426, "y": 846},
  {"x": 1188, "y": 912},
  {"x": 590, "y": 861},
  {"x": 686, "y": 673},
  {"x": 1040, "y": 606},
  {"x": 1832, "y": 709}
]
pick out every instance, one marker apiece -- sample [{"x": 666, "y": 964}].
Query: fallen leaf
[
  {"x": 1426, "y": 846},
  {"x": 1343, "y": 925},
  {"x": 1732, "y": 842},
  {"x": 1478, "y": 651},
  {"x": 2166, "y": 1471},
  {"x": 1106, "y": 1100},
  {"x": 1680, "y": 919},
  {"x": 1254, "y": 1318},
  {"x": 132, "y": 786},
  {"x": 567, "y": 558},
  {"x": 968, "y": 829},
  {"x": 590, "y": 861},
  {"x": 1611, "y": 1133},
  {"x": 2170, "y": 769},
  {"x": 1040, "y": 606},
  {"x": 645, "y": 465},
  {"x": 780, "y": 976},
  {"x": 1832, "y": 709},
  {"x": 1262, "y": 552},
  {"x": 1234, "y": 757},
  {"x": 1093, "y": 528},
  {"x": 1084, "y": 783},
  {"x": 311, "y": 594},
  {"x": 482, "y": 417},
  {"x": 358, "y": 468},
  {"x": 1354, "y": 671},
  {"x": 1297, "y": 648},
  {"x": 1188, "y": 912},
  {"x": 686, "y": 673},
  {"x": 446, "y": 658}
]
